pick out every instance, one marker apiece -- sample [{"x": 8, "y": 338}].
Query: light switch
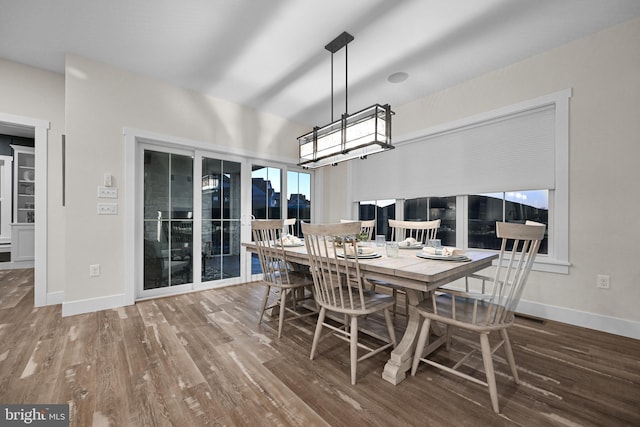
[{"x": 107, "y": 192}]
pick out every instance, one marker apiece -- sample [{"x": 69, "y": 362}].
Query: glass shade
[{"x": 357, "y": 135}]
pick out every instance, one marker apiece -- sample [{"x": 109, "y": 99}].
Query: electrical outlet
[
  {"x": 602, "y": 281},
  {"x": 94, "y": 270},
  {"x": 107, "y": 208}
]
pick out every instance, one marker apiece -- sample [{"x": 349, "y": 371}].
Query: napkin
[
  {"x": 362, "y": 250},
  {"x": 290, "y": 240},
  {"x": 409, "y": 241},
  {"x": 446, "y": 251}
]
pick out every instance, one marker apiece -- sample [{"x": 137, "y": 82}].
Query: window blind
[{"x": 514, "y": 152}]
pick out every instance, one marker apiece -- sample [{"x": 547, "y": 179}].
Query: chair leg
[
  {"x": 488, "y": 368},
  {"x": 509, "y": 351},
  {"x": 264, "y": 303},
  {"x": 422, "y": 342},
  {"x": 316, "y": 336},
  {"x": 354, "y": 348},
  {"x": 283, "y": 303}
]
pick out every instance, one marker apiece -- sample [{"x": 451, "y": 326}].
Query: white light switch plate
[{"x": 107, "y": 192}]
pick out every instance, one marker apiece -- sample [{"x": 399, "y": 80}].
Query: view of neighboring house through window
[
  {"x": 266, "y": 193},
  {"x": 299, "y": 198},
  {"x": 221, "y": 213},
  {"x": 380, "y": 210},
  {"x": 481, "y": 216},
  {"x": 514, "y": 206}
]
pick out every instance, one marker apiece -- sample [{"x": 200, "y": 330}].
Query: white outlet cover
[{"x": 107, "y": 208}]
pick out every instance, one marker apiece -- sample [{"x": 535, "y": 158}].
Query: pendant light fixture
[{"x": 356, "y": 135}]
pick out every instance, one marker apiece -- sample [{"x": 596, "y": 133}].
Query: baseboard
[
  {"x": 71, "y": 308},
  {"x": 54, "y": 298},
  {"x": 16, "y": 265},
  {"x": 612, "y": 325}
]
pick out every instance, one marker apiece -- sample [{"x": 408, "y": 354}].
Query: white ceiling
[{"x": 269, "y": 54}]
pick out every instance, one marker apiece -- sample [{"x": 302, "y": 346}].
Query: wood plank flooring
[{"x": 202, "y": 359}]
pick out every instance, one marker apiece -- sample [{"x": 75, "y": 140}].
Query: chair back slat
[
  {"x": 336, "y": 277},
  {"x": 366, "y": 226},
  {"x": 512, "y": 271},
  {"x": 266, "y": 235},
  {"x": 422, "y": 231}
]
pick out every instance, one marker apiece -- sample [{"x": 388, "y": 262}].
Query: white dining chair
[
  {"x": 290, "y": 225},
  {"x": 484, "y": 313},
  {"x": 339, "y": 288},
  {"x": 422, "y": 231},
  {"x": 277, "y": 273}
]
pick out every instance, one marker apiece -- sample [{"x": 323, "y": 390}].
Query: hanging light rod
[{"x": 353, "y": 136}]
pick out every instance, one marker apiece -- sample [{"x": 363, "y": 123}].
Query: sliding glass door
[
  {"x": 168, "y": 219},
  {"x": 191, "y": 225}
]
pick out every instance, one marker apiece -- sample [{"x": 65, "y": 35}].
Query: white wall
[
  {"x": 101, "y": 101},
  {"x": 39, "y": 94},
  {"x": 604, "y": 227}
]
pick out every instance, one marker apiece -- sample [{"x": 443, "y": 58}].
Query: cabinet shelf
[{"x": 24, "y": 184}]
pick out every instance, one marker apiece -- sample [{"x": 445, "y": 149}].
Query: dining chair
[
  {"x": 277, "y": 273},
  {"x": 366, "y": 226},
  {"x": 484, "y": 313},
  {"x": 422, "y": 231},
  {"x": 339, "y": 288},
  {"x": 290, "y": 225}
]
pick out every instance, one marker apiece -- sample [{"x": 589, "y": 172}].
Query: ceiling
[{"x": 270, "y": 55}]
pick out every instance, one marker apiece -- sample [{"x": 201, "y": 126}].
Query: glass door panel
[
  {"x": 221, "y": 219},
  {"x": 168, "y": 219}
]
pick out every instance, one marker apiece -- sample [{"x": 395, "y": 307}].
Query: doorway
[{"x": 38, "y": 129}]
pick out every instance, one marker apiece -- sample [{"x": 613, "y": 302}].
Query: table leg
[{"x": 395, "y": 371}]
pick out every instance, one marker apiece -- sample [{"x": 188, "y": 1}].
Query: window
[
  {"x": 514, "y": 206},
  {"x": 266, "y": 197},
  {"x": 519, "y": 146},
  {"x": 380, "y": 210},
  {"x": 299, "y": 198},
  {"x": 432, "y": 208}
]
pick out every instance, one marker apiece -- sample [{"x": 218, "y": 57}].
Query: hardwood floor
[{"x": 202, "y": 359}]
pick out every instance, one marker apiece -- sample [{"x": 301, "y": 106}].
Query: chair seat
[
  {"x": 464, "y": 312},
  {"x": 373, "y": 302},
  {"x": 297, "y": 279}
]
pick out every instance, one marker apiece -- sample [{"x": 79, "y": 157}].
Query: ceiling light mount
[{"x": 357, "y": 135}]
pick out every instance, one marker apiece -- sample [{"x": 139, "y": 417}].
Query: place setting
[{"x": 435, "y": 251}]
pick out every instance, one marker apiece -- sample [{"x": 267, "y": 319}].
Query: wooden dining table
[{"x": 417, "y": 276}]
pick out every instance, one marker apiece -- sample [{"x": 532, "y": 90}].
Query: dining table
[{"x": 418, "y": 277}]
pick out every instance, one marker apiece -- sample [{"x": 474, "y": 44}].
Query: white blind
[{"x": 516, "y": 152}]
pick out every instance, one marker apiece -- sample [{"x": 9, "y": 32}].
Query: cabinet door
[{"x": 24, "y": 184}]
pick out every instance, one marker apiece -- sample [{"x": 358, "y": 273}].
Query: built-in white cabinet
[{"x": 24, "y": 185}]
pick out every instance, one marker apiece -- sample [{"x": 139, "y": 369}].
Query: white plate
[
  {"x": 444, "y": 257},
  {"x": 362, "y": 256},
  {"x": 292, "y": 245}
]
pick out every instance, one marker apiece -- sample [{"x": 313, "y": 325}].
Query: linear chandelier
[{"x": 356, "y": 135}]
